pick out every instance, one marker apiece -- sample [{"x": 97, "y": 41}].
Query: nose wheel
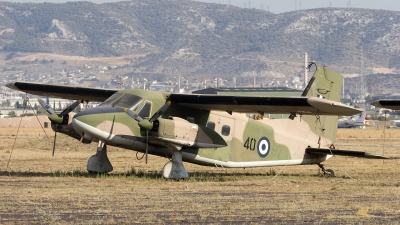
[
  {"x": 327, "y": 172},
  {"x": 99, "y": 163}
]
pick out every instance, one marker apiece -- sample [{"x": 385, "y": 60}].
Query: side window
[
  {"x": 190, "y": 119},
  {"x": 225, "y": 130},
  {"x": 211, "y": 125},
  {"x": 145, "y": 110}
]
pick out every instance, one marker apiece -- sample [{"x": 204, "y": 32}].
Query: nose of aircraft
[{"x": 92, "y": 117}]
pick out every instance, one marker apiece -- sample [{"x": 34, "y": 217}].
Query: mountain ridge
[{"x": 188, "y": 37}]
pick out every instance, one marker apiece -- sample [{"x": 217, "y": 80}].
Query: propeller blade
[
  {"x": 147, "y": 145},
  {"x": 133, "y": 115},
  {"x": 53, "y": 115},
  {"x": 45, "y": 106},
  {"x": 70, "y": 108},
  {"x": 160, "y": 112},
  {"x": 54, "y": 143},
  {"x": 145, "y": 124},
  {"x": 148, "y": 124}
]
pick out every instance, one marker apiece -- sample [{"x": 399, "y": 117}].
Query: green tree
[
  {"x": 6, "y": 103},
  {"x": 27, "y": 114},
  {"x": 12, "y": 114}
]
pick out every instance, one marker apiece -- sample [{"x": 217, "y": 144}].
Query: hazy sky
[{"x": 279, "y": 6}]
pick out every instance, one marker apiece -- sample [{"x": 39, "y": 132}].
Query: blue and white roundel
[{"x": 263, "y": 147}]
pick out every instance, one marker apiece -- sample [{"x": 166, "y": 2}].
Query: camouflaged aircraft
[{"x": 205, "y": 129}]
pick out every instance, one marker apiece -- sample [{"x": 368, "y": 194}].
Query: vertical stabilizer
[
  {"x": 325, "y": 84},
  {"x": 360, "y": 120}
]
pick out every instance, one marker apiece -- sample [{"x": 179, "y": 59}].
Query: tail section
[
  {"x": 360, "y": 121},
  {"x": 324, "y": 84}
]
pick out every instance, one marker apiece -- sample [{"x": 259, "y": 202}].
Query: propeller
[
  {"x": 54, "y": 142},
  {"x": 57, "y": 118},
  {"x": 70, "y": 108},
  {"x": 147, "y": 124},
  {"x": 144, "y": 123}
]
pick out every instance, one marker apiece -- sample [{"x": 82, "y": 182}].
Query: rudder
[{"x": 325, "y": 84}]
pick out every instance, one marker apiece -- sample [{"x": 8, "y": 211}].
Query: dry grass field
[{"x": 38, "y": 188}]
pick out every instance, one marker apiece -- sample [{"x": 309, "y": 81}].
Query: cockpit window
[
  {"x": 123, "y": 100},
  {"x": 111, "y": 99},
  {"x": 145, "y": 110}
]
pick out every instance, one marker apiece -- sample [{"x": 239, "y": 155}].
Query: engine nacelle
[
  {"x": 181, "y": 132},
  {"x": 66, "y": 127}
]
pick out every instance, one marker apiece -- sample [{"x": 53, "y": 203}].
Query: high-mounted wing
[
  {"x": 273, "y": 105},
  {"x": 387, "y": 103},
  {"x": 63, "y": 91},
  {"x": 326, "y": 151}
]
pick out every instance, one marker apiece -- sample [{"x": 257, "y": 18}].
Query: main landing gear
[
  {"x": 99, "y": 163},
  {"x": 174, "y": 169},
  {"x": 327, "y": 172}
]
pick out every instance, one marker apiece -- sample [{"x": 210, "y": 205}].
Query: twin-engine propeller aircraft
[
  {"x": 353, "y": 122},
  {"x": 205, "y": 129}
]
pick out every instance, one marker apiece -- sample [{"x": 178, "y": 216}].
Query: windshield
[{"x": 123, "y": 100}]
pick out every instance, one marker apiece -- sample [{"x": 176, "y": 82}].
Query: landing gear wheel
[
  {"x": 174, "y": 169},
  {"x": 167, "y": 169},
  {"x": 99, "y": 163},
  {"x": 329, "y": 172}
]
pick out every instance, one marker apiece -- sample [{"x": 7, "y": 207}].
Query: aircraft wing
[
  {"x": 273, "y": 105},
  {"x": 387, "y": 103},
  {"x": 63, "y": 91},
  {"x": 326, "y": 151}
]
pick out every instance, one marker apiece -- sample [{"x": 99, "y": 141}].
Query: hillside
[{"x": 194, "y": 38}]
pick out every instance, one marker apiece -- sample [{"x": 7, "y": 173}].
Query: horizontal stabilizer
[{"x": 345, "y": 153}]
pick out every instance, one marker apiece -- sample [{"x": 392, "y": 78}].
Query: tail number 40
[{"x": 250, "y": 143}]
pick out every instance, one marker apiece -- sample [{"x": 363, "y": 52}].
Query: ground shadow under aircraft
[{"x": 156, "y": 175}]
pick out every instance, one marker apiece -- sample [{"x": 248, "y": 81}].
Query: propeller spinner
[{"x": 144, "y": 123}]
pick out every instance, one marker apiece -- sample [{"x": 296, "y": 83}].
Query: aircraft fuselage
[{"x": 249, "y": 142}]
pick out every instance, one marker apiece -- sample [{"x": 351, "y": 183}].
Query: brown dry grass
[
  {"x": 369, "y": 133},
  {"x": 39, "y": 188}
]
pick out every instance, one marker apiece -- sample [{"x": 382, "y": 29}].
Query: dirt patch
[
  {"x": 38, "y": 188},
  {"x": 27, "y": 121},
  {"x": 383, "y": 70},
  {"x": 122, "y": 60}
]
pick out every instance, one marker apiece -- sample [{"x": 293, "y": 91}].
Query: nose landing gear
[{"x": 99, "y": 163}]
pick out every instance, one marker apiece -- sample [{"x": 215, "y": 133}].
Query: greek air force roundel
[{"x": 263, "y": 147}]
